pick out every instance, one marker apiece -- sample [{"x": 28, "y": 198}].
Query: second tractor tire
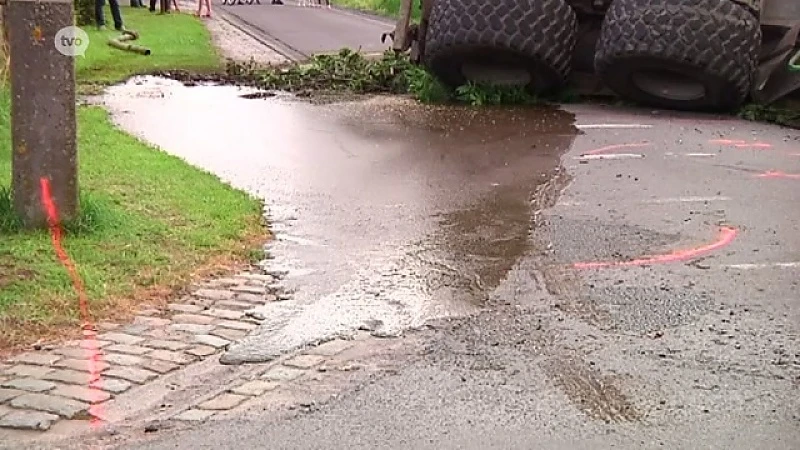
[
  {"x": 530, "y": 37},
  {"x": 697, "y": 55}
]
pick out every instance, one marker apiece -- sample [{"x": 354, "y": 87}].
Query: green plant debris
[
  {"x": 391, "y": 73},
  {"x": 786, "y": 113}
]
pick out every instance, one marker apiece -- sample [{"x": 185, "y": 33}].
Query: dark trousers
[
  {"x": 156, "y": 3},
  {"x": 115, "y": 13}
]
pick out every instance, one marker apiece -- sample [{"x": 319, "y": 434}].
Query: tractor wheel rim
[{"x": 669, "y": 85}]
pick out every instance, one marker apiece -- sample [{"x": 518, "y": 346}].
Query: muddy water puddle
[{"x": 386, "y": 213}]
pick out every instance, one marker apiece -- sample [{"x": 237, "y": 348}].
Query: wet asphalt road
[
  {"x": 405, "y": 214},
  {"x": 301, "y": 31}
]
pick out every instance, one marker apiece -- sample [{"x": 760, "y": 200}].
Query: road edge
[{"x": 262, "y": 37}]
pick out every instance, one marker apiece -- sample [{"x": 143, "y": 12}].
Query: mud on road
[{"x": 594, "y": 277}]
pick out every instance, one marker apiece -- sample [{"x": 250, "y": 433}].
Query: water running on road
[{"x": 386, "y": 213}]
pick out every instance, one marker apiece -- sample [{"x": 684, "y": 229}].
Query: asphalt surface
[
  {"x": 300, "y": 31},
  {"x": 643, "y": 296},
  {"x": 611, "y": 278}
]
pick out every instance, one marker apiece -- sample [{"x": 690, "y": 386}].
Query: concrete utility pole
[{"x": 43, "y": 123}]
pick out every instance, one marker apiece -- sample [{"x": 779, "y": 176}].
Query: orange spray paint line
[
  {"x": 726, "y": 236},
  {"x": 726, "y": 141},
  {"x": 89, "y": 341}
]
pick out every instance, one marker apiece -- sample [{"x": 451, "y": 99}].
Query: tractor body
[{"x": 696, "y": 55}]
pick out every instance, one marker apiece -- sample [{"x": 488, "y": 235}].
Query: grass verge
[
  {"x": 149, "y": 222},
  {"x": 387, "y": 8},
  {"x": 177, "y": 41}
]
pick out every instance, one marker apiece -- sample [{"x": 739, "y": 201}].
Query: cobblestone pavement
[
  {"x": 162, "y": 370},
  {"x": 38, "y": 389},
  {"x": 297, "y": 384}
]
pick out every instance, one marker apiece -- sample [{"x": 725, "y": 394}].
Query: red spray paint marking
[
  {"x": 754, "y": 145},
  {"x": 726, "y": 236},
  {"x": 778, "y": 174},
  {"x": 89, "y": 335},
  {"x": 740, "y": 143},
  {"x": 609, "y": 148}
]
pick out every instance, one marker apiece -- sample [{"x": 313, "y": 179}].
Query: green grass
[
  {"x": 149, "y": 222},
  {"x": 388, "y": 8},
  {"x": 177, "y": 41}
]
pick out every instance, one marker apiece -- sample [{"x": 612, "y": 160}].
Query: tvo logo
[{"x": 72, "y": 41}]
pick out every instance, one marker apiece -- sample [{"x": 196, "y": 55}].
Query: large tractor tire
[
  {"x": 503, "y": 42},
  {"x": 696, "y": 55}
]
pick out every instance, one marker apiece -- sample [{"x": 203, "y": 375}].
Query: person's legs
[
  {"x": 116, "y": 14},
  {"x": 98, "y": 13},
  {"x": 153, "y": 5}
]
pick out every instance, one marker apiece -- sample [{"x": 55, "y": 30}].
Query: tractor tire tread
[
  {"x": 540, "y": 29},
  {"x": 719, "y": 36}
]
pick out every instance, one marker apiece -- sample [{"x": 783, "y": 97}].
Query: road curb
[
  {"x": 287, "y": 51},
  {"x": 117, "y": 358},
  {"x": 262, "y": 37}
]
